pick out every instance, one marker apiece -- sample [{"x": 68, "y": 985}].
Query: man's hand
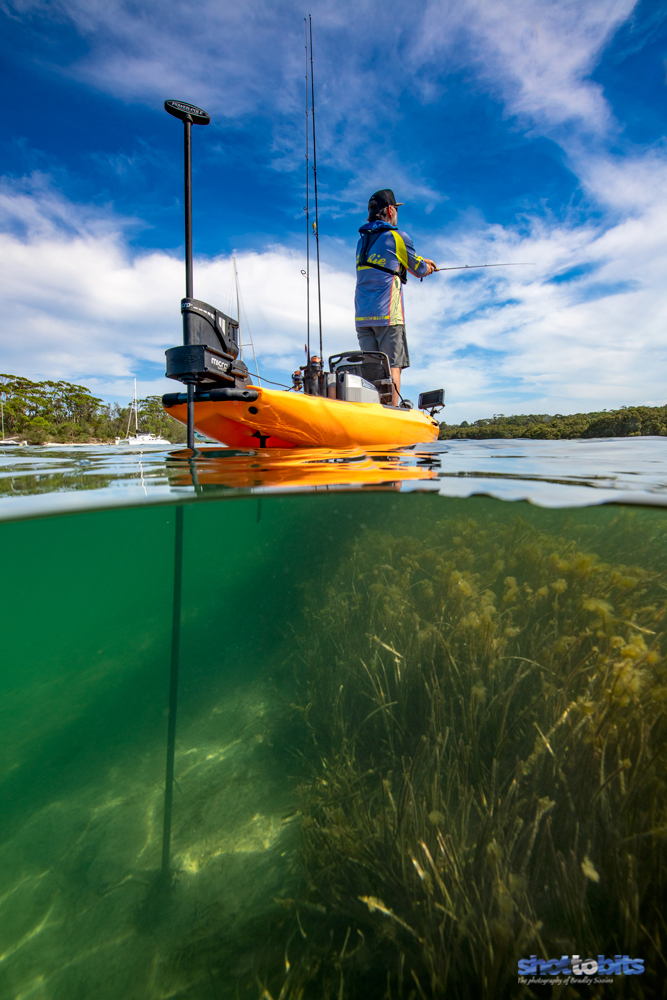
[{"x": 431, "y": 265}]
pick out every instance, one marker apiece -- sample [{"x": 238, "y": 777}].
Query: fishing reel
[{"x": 313, "y": 377}]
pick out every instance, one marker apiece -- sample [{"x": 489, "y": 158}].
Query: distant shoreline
[
  {"x": 59, "y": 444},
  {"x": 629, "y": 421}
]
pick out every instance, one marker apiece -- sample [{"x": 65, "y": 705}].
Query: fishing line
[{"x": 469, "y": 267}]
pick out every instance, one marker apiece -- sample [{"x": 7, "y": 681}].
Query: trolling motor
[{"x": 208, "y": 360}]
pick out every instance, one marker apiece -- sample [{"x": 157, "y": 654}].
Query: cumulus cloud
[
  {"x": 582, "y": 329},
  {"x": 78, "y": 304},
  {"x": 536, "y": 55}
]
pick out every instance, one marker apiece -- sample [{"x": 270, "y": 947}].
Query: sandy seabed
[{"x": 80, "y": 916}]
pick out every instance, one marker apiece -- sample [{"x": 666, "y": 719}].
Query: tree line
[
  {"x": 65, "y": 412},
  {"x": 629, "y": 421},
  {"x": 69, "y": 413}
]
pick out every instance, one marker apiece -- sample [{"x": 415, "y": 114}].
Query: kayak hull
[{"x": 280, "y": 419}]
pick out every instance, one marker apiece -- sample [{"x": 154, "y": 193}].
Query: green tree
[
  {"x": 66, "y": 412},
  {"x": 37, "y": 430},
  {"x": 628, "y": 421},
  {"x": 154, "y": 420}
]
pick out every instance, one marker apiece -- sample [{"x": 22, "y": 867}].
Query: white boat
[{"x": 140, "y": 440}]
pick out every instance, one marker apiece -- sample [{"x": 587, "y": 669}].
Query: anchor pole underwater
[{"x": 173, "y": 695}]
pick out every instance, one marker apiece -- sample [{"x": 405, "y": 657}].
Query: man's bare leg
[{"x": 396, "y": 376}]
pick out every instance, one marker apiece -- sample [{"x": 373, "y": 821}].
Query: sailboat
[{"x": 137, "y": 439}]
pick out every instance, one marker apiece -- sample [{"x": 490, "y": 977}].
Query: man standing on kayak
[{"x": 385, "y": 254}]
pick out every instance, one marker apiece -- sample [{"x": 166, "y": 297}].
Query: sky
[{"x": 513, "y": 130}]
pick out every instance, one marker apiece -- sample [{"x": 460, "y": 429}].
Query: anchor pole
[
  {"x": 187, "y": 157},
  {"x": 189, "y": 115},
  {"x": 189, "y": 282},
  {"x": 191, "y": 416},
  {"x": 173, "y": 695}
]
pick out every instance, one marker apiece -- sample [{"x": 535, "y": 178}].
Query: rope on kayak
[
  {"x": 265, "y": 379},
  {"x": 398, "y": 391}
]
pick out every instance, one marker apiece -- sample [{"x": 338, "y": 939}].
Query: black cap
[{"x": 382, "y": 199}]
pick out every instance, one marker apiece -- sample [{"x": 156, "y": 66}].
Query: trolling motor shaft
[{"x": 210, "y": 350}]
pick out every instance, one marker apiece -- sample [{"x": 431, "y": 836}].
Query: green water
[{"x": 378, "y": 793}]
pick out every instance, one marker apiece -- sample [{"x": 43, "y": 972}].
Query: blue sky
[{"x": 512, "y": 130}]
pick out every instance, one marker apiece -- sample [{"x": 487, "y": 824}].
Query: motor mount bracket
[{"x": 205, "y": 366}]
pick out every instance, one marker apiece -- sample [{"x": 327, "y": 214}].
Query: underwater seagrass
[{"x": 485, "y": 707}]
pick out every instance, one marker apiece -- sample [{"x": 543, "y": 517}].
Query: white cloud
[
  {"x": 595, "y": 341},
  {"x": 77, "y": 304},
  {"x": 535, "y": 54}
]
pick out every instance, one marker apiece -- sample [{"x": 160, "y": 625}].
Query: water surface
[
  {"x": 548, "y": 473},
  {"x": 421, "y": 735}
]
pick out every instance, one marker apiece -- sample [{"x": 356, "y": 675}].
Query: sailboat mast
[
  {"x": 238, "y": 307},
  {"x": 136, "y": 416},
  {"x": 316, "y": 224}
]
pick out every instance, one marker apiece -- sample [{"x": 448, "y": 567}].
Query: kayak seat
[{"x": 372, "y": 366}]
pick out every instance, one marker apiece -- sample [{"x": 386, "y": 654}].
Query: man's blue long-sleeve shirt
[{"x": 378, "y": 299}]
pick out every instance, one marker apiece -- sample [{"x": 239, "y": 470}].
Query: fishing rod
[
  {"x": 307, "y": 208},
  {"x": 316, "y": 224},
  {"x": 469, "y": 267}
]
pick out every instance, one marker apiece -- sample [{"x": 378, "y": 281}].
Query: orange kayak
[{"x": 280, "y": 419}]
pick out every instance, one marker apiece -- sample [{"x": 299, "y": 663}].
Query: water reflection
[
  {"x": 548, "y": 473},
  {"x": 312, "y": 468}
]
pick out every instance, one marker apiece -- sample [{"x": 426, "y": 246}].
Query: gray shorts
[{"x": 391, "y": 340}]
